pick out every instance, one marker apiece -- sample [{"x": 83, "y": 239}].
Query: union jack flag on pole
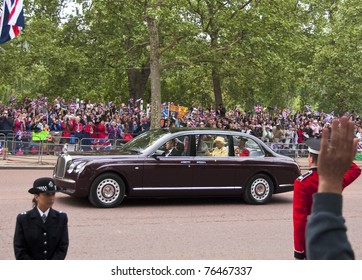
[{"x": 11, "y": 19}]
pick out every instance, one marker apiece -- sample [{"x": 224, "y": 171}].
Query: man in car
[
  {"x": 171, "y": 149},
  {"x": 241, "y": 150}
]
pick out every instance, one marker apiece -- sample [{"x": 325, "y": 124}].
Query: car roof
[{"x": 192, "y": 130}]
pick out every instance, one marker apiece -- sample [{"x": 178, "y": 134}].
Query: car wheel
[
  {"x": 258, "y": 190},
  {"x": 107, "y": 191}
]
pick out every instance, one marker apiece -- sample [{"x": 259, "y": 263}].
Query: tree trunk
[
  {"x": 216, "y": 81},
  {"x": 217, "y": 86},
  {"x": 155, "y": 72},
  {"x": 137, "y": 80}
]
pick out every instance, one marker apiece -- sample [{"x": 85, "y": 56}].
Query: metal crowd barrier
[
  {"x": 11, "y": 147},
  {"x": 289, "y": 149}
]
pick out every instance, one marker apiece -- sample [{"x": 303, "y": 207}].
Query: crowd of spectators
[{"x": 66, "y": 120}]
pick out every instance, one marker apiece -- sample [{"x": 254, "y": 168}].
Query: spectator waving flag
[
  {"x": 286, "y": 113},
  {"x": 316, "y": 113},
  {"x": 73, "y": 106},
  {"x": 11, "y": 19}
]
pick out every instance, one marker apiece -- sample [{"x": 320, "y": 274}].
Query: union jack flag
[
  {"x": 258, "y": 108},
  {"x": 11, "y": 19},
  {"x": 101, "y": 144},
  {"x": 286, "y": 113},
  {"x": 329, "y": 117},
  {"x": 72, "y": 106}
]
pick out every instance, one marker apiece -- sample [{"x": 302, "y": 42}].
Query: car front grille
[{"x": 61, "y": 166}]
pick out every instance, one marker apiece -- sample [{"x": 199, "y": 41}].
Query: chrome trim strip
[
  {"x": 186, "y": 188},
  {"x": 70, "y": 181},
  {"x": 286, "y": 185}
]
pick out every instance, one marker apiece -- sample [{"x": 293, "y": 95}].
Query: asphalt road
[{"x": 170, "y": 229}]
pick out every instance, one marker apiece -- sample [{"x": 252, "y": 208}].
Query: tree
[
  {"x": 336, "y": 73},
  {"x": 151, "y": 15}
]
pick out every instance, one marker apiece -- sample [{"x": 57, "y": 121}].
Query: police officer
[
  {"x": 42, "y": 233},
  {"x": 304, "y": 188}
]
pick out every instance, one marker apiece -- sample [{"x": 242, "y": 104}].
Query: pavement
[{"x": 28, "y": 162}]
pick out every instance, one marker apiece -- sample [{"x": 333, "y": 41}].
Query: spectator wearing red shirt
[
  {"x": 300, "y": 135},
  {"x": 102, "y": 131},
  {"x": 67, "y": 126}
]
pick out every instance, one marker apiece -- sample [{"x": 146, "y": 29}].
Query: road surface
[{"x": 170, "y": 229}]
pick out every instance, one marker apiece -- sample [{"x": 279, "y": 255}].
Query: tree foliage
[{"x": 238, "y": 52}]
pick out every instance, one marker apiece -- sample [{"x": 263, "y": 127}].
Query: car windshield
[{"x": 144, "y": 140}]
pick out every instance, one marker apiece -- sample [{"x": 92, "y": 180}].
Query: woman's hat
[
  {"x": 219, "y": 139},
  {"x": 43, "y": 185}
]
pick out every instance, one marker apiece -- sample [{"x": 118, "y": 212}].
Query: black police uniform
[{"x": 35, "y": 240}]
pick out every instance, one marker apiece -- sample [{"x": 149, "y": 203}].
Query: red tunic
[
  {"x": 304, "y": 188},
  {"x": 245, "y": 153}
]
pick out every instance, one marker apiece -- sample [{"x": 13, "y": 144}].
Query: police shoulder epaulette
[{"x": 305, "y": 175}]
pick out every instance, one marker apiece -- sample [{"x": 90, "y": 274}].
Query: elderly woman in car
[{"x": 220, "y": 150}]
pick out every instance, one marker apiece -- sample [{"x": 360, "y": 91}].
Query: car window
[
  {"x": 144, "y": 140},
  {"x": 177, "y": 146},
  {"x": 244, "y": 146},
  {"x": 212, "y": 145}
]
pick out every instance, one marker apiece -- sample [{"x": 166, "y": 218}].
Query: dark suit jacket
[
  {"x": 35, "y": 240},
  {"x": 174, "y": 152}
]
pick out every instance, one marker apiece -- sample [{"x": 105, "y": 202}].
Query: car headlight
[
  {"x": 70, "y": 168},
  {"x": 76, "y": 167},
  {"x": 79, "y": 167}
]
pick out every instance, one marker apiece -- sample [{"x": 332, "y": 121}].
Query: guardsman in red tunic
[{"x": 304, "y": 188}]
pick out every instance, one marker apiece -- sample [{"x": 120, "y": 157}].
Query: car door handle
[
  {"x": 200, "y": 161},
  {"x": 185, "y": 161}
]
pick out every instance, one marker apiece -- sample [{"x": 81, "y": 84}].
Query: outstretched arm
[{"x": 326, "y": 236}]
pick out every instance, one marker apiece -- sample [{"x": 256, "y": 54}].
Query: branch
[
  {"x": 240, "y": 8},
  {"x": 138, "y": 45},
  {"x": 172, "y": 44}
]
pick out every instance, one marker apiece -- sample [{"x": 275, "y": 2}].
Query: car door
[
  {"x": 213, "y": 175},
  {"x": 169, "y": 175}
]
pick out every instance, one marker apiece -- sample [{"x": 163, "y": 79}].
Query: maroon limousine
[{"x": 180, "y": 162}]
